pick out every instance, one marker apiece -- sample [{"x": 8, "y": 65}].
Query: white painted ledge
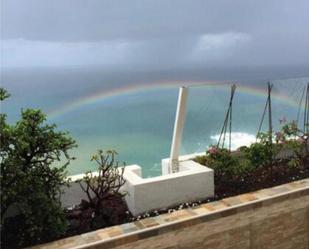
[{"x": 192, "y": 182}]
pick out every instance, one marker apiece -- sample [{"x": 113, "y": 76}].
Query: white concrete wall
[
  {"x": 73, "y": 194},
  {"x": 191, "y": 183}
]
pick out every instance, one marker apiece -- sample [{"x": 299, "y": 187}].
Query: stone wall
[
  {"x": 273, "y": 218},
  {"x": 280, "y": 225}
]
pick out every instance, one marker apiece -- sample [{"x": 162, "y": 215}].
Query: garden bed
[
  {"x": 270, "y": 161},
  {"x": 259, "y": 178}
]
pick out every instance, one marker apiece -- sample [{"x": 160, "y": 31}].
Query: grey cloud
[
  {"x": 154, "y": 53},
  {"x": 154, "y": 34},
  {"x": 101, "y": 20}
]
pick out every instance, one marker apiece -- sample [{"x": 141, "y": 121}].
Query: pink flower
[
  {"x": 213, "y": 150},
  {"x": 302, "y": 140},
  {"x": 279, "y": 136},
  {"x": 282, "y": 120}
]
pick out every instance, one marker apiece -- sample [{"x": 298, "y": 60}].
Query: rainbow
[{"x": 105, "y": 95}]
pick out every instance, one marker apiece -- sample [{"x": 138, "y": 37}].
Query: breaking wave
[{"x": 238, "y": 139}]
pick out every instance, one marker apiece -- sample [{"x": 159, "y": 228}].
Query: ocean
[{"x": 134, "y": 112}]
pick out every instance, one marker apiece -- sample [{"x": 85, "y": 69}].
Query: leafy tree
[
  {"x": 4, "y": 94},
  {"x": 30, "y": 183}
]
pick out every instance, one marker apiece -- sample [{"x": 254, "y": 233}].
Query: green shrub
[
  {"x": 258, "y": 162},
  {"x": 291, "y": 138},
  {"x": 259, "y": 153},
  {"x": 226, "y": 164},
  {"x": 30, "y": 183}
]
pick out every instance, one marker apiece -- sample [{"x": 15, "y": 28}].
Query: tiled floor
[{"x": 144, "y": 228}]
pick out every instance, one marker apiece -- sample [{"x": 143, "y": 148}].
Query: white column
[{"x": 178, "y": 129}]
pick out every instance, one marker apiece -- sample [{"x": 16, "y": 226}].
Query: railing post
[{"x": 178, "y": 129}]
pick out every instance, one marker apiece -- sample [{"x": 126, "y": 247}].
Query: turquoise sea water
[{"x": 139, "y": 124}]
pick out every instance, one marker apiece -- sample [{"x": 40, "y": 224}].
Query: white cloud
[
  {"x": 27, "y": 53},
  {"x": 218, "y": 46},
  {"x": 224, "y": 40}
]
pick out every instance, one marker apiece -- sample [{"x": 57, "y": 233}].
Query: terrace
[{"x": 245, "y": 199}]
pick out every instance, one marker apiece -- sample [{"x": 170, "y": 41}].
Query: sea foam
[{"x": 238, "y": 139}]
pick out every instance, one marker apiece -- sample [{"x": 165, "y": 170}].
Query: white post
[{"x": 178, "y": 129}]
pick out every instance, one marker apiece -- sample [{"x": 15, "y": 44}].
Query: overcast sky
[{"x": 154, "y": 35}]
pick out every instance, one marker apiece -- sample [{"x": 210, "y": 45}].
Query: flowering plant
[
  {"x": 293, "y": 139},
  {"x": 212, "y": 150}
]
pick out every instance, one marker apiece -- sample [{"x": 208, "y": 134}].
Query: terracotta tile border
[{"x": 130, "y": 232}]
